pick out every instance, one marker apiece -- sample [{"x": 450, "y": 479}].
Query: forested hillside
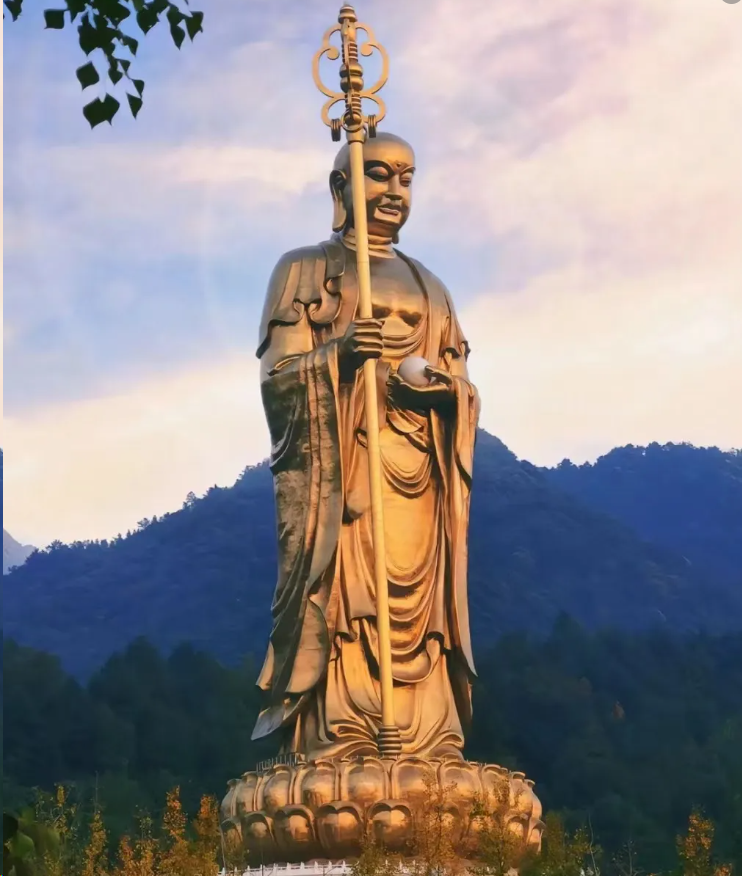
[
  {"x": 687, "y": 498},
  {"x": 205, "y": 573},
  {"x": 626, "y": 731}
]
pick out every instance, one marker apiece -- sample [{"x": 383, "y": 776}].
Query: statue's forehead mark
[{"x": 394, "y": 164}]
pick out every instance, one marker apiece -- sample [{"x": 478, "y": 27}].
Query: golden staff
[{"x": 356, "y": 126}]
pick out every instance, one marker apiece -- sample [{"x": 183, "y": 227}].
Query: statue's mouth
[{"x": 390, "y": 209}]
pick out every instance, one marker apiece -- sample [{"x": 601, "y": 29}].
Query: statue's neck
[{"x": 377, "y": 246}]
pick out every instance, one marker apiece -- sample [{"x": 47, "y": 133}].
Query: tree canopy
[
  {"x": 622, "y": 731},
  {"x": 108, "y": 33}
]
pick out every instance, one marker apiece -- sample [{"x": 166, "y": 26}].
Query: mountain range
[
  {"x": 14, "y": 553},
  {"x": 645, "y": 537}
]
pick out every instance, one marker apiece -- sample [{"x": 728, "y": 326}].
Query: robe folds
[{"x": 320, "y": 674}]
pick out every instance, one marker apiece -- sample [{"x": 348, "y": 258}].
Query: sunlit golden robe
[{"x": 321, "y": 672}]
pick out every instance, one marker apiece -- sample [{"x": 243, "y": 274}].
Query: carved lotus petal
[
  {"x": 227, "y": 809},
  {"x": 535, "y": 835},
  {"x": 465, "y": 779},
  {"x": 274, "y": 790},
  {"x": 340, "y": 829},
  {"x": 519, "y": 826},
  {"x": 391, "y": 822},
  {"x": 293, "y": 827},
  {"x": 317, "y": 784},
  {"x": 323, "y": 808},
  {"x": 410, "y": 776},
  {"x": 244, "y": 793},
  {"x": 365, "y": 782},
  {"x": 257, "y": 831}
]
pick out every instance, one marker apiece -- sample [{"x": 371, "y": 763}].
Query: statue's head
[{"x": 389, "y": 164}]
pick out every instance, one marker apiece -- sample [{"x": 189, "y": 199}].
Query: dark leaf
[
  {"x": 174, "y": 15},
  {"x": 194, "y": 24},
  {"x": 87, "y": 35},
  {"x": 139, "y": 85},
  {"x": 146, "y": 19},
  {"x": 87, "y": 75},
  {"x": 105, "y": 34},
  {"x": 178, "y": 34},
  {"x": 14, "y": 7},
  {"x": 135, "y": 103},
  {"x": 131, "y": 44},
  {"x": 114, "y": 74},
  {"x": 123, "y": 63},
  {"x": 54, "y": 18},
  {"x": 98, "y": 110},
  {"x": 118, "y": 13},
  {"x": 75, "y": 8}
]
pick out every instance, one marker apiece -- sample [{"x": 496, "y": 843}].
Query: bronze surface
[
  {"x": 321, "y": 674},
  {"x": 367, "y": 676},
  {"x": 326, "y": 809}
]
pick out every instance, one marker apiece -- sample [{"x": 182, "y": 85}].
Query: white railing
[{"x": 338, "y": 868}]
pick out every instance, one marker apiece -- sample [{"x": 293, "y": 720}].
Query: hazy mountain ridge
[
  {"x": 206, "y": 573},
  {"x": 687, "y": 498},
  {"x": 14, "y": 553}
]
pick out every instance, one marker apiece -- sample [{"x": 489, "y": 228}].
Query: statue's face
[{"x": 389, "y": 165}]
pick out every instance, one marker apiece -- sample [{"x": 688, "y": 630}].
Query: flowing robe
[{"x": 321, "y": 670}]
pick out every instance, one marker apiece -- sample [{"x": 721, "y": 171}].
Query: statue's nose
[{"x": 394, "y": 188}]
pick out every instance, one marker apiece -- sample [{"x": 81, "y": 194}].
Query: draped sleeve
[{"x": 299, "y": 385}]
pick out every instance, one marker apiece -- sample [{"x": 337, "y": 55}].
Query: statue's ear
[{"x": 338, "y": 182}]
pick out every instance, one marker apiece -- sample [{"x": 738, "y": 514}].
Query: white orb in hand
[{"x": 412, "y": 371}]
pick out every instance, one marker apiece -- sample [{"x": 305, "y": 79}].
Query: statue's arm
[{"x": 286, "y": 331}]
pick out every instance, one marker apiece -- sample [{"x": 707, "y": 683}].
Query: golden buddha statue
[
  {"x": 368, "y": 673},
  {"x": 321, "y": 674}
]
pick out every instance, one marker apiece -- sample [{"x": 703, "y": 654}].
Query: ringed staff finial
[
  {"x": 352, "y": 90},
  {"x": 357, "y": 127}
]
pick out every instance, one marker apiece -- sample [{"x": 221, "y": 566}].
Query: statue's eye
[
  {"x": 406, "y": 179},
  {"x": 378, "y": 173}
]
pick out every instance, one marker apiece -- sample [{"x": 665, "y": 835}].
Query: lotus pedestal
[{"x": 324, "y": 809}]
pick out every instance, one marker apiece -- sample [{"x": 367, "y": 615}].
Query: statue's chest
[{"x": 397, "y": 297}]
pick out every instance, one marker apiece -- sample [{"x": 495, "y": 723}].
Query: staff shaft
[{"x": 365, "y": 311}]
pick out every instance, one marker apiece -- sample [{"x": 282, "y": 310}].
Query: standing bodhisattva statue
[
  {"x": 372, "y": 419},
  {"x": 321, "y": 673}
]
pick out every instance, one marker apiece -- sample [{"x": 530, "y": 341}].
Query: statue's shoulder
[
  {"x": 293, "y": 287},
  {"x": 292, "y": 259},
  {"x": 289, "y": 265}
]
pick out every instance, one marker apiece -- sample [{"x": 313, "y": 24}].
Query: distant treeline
[{"x": 624, "y": 732}]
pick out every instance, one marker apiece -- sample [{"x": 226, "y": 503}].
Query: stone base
[{"x": 324, "y": 809}]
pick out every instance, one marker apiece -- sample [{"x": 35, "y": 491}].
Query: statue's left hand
[{"x": 439, "y": 393}]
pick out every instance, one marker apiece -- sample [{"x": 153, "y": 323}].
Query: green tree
[
  {"x": 108, "y": 33},
  {"x": 564, "y": 853}
]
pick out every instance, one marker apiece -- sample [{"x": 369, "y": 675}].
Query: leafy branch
[{"x": 99, "y": 28}]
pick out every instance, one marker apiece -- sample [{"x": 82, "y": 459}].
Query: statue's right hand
[{"x": 362, "y": 340}]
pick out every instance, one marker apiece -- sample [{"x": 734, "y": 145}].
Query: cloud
[
  {"x": 578, "y": 190},
  {"x": 566, "y": 371},
  {"x": 608, "y": 182},
  {"x": 96, "y": 467}
]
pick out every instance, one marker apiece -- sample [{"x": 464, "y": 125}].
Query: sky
[{"x": 579, "y": 191}]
